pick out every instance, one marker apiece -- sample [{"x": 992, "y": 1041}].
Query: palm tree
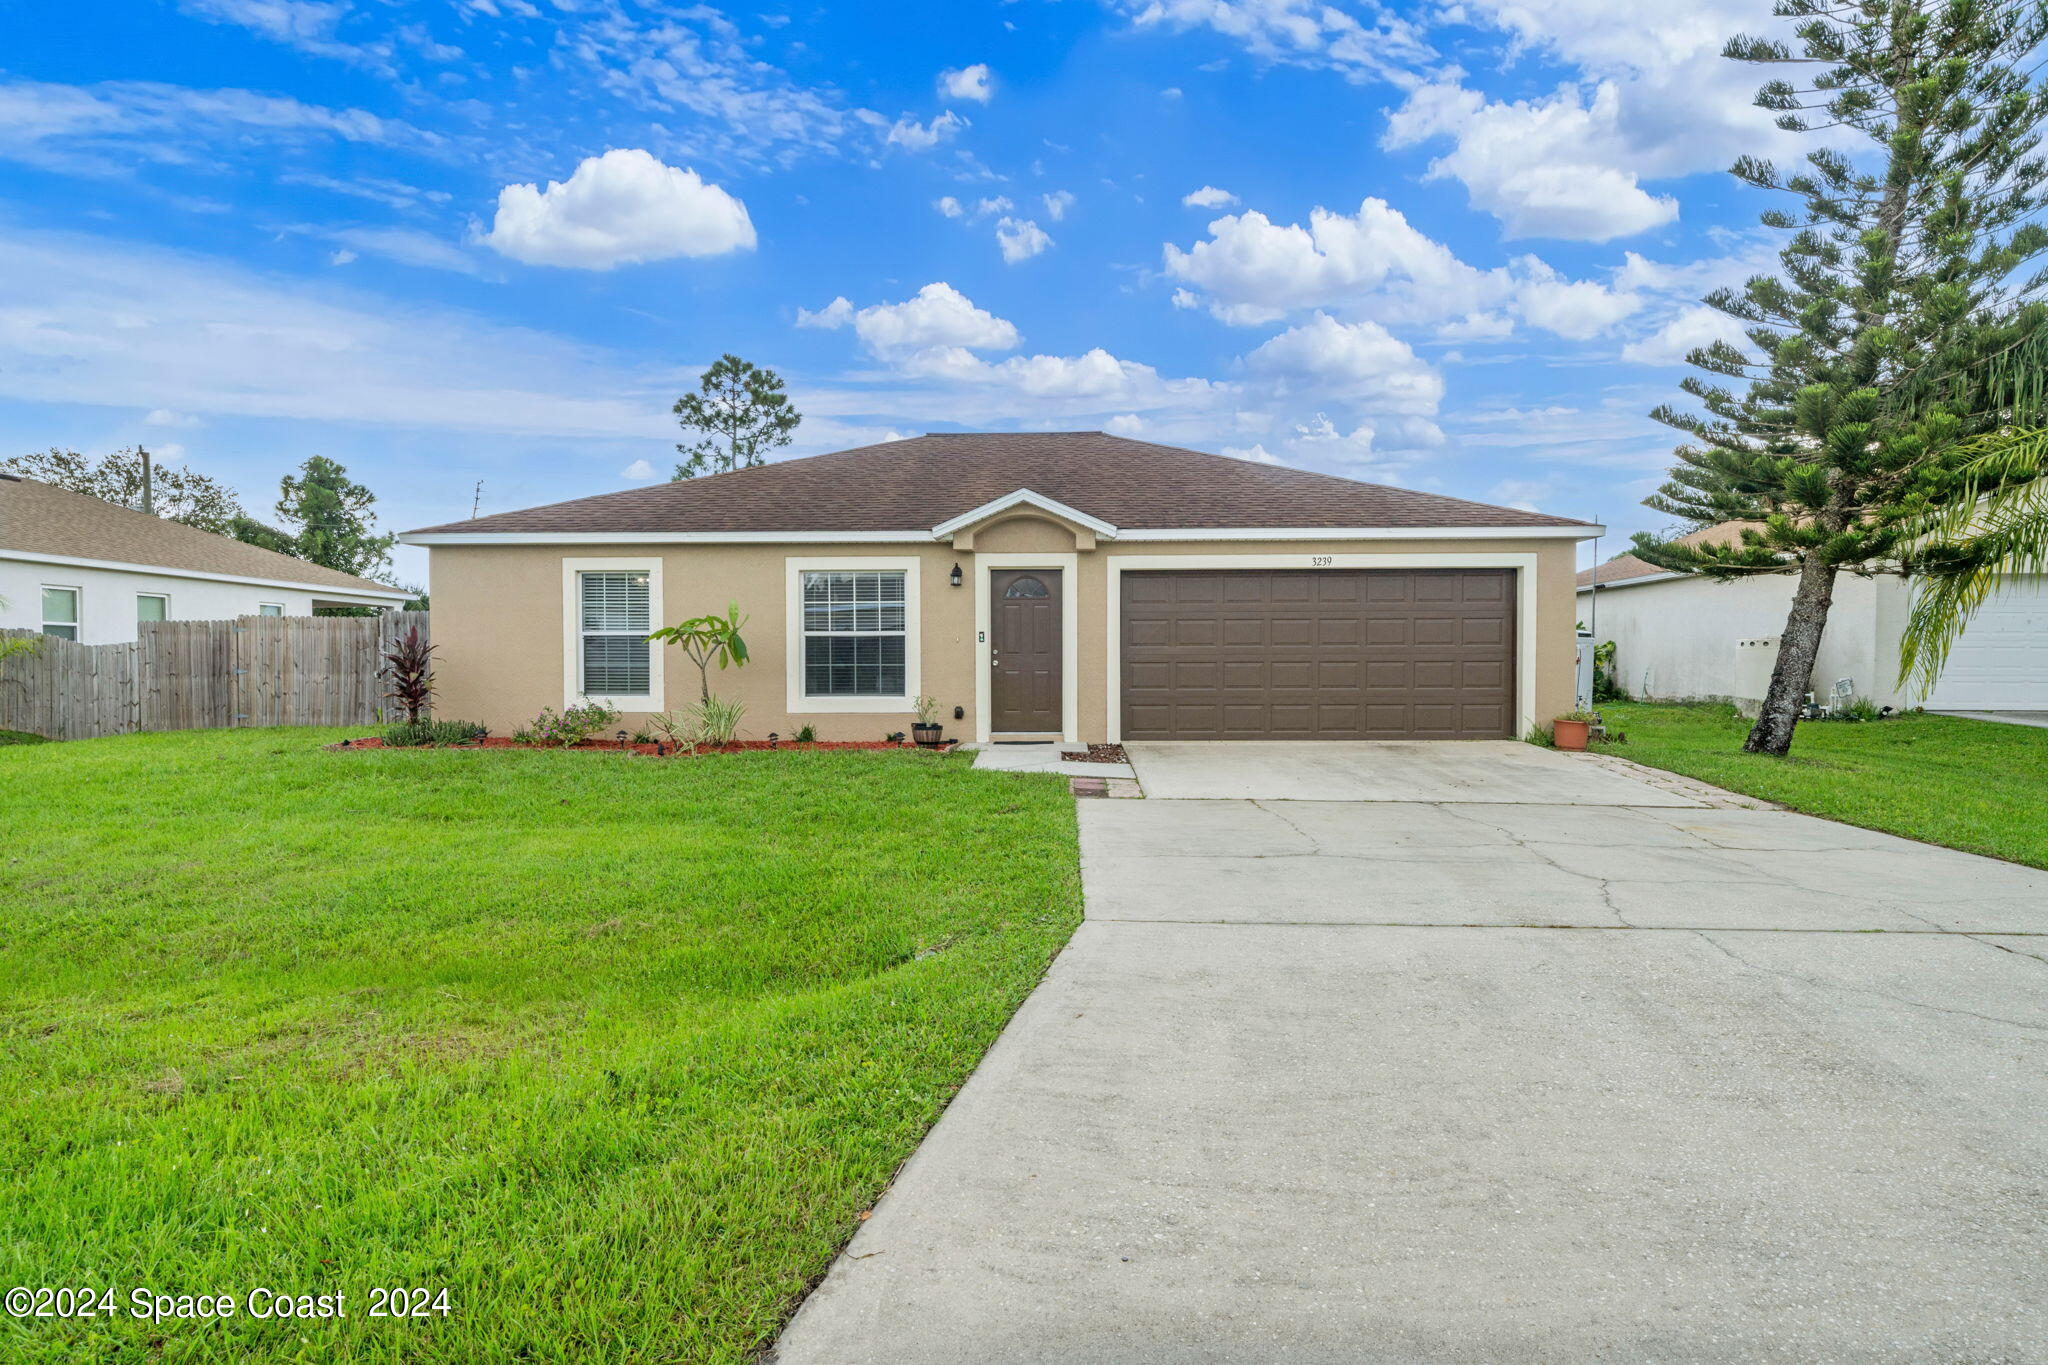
[{"x": 1995, "y": 528}]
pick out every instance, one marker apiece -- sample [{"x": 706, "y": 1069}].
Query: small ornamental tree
[
  {"x": 742, "y": 413},
  {"x": 1910, "y": 263},
  {"x": 708, "y": 640},
  {"x": 409, "y": 674}
]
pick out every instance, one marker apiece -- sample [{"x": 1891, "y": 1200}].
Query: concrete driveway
[{"x": 1430, "y": 1075}]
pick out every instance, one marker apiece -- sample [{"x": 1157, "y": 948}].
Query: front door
[{"x": 1024, "y": 652}]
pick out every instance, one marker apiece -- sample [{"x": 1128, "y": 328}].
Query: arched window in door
[{"x": 1026, "y": 587}]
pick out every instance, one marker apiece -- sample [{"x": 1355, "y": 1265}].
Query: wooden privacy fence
[{"x": 194, "y": 675}]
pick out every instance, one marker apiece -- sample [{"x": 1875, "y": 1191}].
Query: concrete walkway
[{"x": 1427, "y": 1077}]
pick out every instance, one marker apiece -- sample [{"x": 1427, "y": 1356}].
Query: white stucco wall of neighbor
[
  {"x": 1676, "y": 639},
  {"x": 107, "y": 599}
]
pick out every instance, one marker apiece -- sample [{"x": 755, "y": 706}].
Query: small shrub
[
  {"x": 927, "y": 709},
  {"x": 409, "y": 668},
  {"x": 716, "y": 720},
  {"x": 807, "y": 735},
  {"x": 1540, "y": 736},
  {"x": 523, "y": 735},
  {"x": 673, "y": 727},
  {"x": 413, "y": 734},
  {"x": 574, "y": 724},
  {"x": 1587, "y": 717},
  {"x": 1857, "y": 708}
]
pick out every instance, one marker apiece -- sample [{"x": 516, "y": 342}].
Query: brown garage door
[{"x": 1319, "y": 654}]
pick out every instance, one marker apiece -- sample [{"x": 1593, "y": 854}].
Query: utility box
[
  {"x": 1585, "y": 670},
  {"x": 1754, "y": 660}
]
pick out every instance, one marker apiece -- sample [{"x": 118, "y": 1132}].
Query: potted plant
[
  {"x": 1571, "y": 730},
  {"x": 927, "y": 731}
]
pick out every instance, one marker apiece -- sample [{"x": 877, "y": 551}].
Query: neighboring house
[
  {"x": 1064, "y": 585},
  {"x": 1682, "y": 636},
  {"x": 88, "y": 570}
]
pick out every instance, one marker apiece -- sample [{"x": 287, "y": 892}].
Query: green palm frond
[{"x": 1996, "y": 527}]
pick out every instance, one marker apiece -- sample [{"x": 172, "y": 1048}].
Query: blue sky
[{"x": 1458, "y": 247}]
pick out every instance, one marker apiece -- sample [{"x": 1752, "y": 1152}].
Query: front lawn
[
  {"x": 615, "y": 1049},
  {"x": 1969, "y": 784}
]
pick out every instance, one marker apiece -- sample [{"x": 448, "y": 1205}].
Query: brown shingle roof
[
  {"x": 918, "y": 483},
  {"x": 40, "y": 518}
]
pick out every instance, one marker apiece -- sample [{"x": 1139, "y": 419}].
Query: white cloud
[
  {"x": 1690, "y": 330},
  {"x": 619, "y": 209},
  {"x": 93, "y": 129},
  {"x": 913, "y": 136},
  {"x": 407, "y": 246},
  {"x": 342, "y": 257},
  {"x": 1653, "y": 99},
  {"x": 1057, "y": 203},
  {"x": 1020, "y": 239},
  {"x": 168, "y": 417},
  {"x": 1359, "y": 361},
  {"x": 1208, "y": 197},
  {"x": 114, "y": 323},
  {"x": 1376, "y": 263},
  {"x": 939, "y": 315},
  {"x": 995, "y": 204},
  {"x": 307, "y": 25},
  {"x": 1125, "y": 424},
  {"x": 948, "y": 206},
  {"x": 639, "y": 470},
  {"x": 1555, "y": 167},
  {"x": 967, "y": 83},
  {"x": 1307, "y": 33}
]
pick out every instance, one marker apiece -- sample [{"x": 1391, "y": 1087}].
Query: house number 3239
[{"x": 1318, "y": 561}]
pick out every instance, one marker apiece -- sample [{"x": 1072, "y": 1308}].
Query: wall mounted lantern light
[{"x": 954, "y": 577}]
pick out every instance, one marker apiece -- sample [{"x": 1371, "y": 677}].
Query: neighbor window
[
  {"x": 152, "y": 606},
  {"x": 60, "y": 613},
  {"x": 615, "y": 626},
  {"x": 269, "y": 609},
  {"x": 853, "y": 633}
]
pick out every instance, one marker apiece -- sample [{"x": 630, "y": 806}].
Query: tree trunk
[{"x": 1798, "y": 647}]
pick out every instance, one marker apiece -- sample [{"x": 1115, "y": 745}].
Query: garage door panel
[{"x": 1318, "y": 654}]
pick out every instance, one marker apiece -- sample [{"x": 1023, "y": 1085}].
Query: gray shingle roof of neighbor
[
  {"x": 925, "y": 480},
  {"x": 43, "y": 519},
  {"x": 1625, "y": 568}
]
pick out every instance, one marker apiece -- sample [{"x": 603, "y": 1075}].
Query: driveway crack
[
  {"x": 1606, "y": 884},
  {"x": 1866, "y": 990}
]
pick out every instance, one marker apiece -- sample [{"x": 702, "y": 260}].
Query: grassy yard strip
[
  {"x": 1967, "y": 784},
  {"x": 617, "y": 1049}
]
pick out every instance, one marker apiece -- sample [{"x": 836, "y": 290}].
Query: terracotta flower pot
[{"x": 1569, "y": 734}]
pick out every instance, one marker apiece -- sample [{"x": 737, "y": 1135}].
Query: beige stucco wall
[{"x": 500, "y": 627}]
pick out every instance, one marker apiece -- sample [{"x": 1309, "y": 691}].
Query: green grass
[
  {"x": 616, "y": 1049},
  {"x": 20, "y": 737},
  {"x": 1968, "y": 784}
]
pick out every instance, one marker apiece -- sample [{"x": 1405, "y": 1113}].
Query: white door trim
[
  {"x": 1525, "y": 606},
  {"x": 985, "y": 568}
]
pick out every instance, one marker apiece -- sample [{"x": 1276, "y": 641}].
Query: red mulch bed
[{"x": 613, "y": 746}]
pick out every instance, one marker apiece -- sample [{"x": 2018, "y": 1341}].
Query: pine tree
[
  {"x": 743, "y": 413},
  {"x": 1907, "y": 268}
]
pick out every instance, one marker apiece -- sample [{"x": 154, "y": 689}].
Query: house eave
[
  {"x": 913, "y": 537},
  {"x": 353, "y": 596}
]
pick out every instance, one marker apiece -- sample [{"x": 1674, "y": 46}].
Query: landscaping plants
[
  {"x": 414, "y": 733},
  {"x": 618, "y": 1052},
  {"x": 409, "y": 671},
  {"x": 573, "y": 725},
  {"x": 927, "y": 731}
]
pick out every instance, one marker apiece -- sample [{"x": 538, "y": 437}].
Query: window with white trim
[
  {"x": 60, "y": 612},
  {"x": 270, "y": 609},
  {"x": 853, "y": 632},
  {"x": 615, "y": 625},
  {"x": 152, "y": 606}
]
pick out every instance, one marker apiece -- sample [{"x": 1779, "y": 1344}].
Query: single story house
[
  {"x": 1055, "y": 585},
  {"x": 1681, "y": 637},
  {"x": 88, "y": 570}
]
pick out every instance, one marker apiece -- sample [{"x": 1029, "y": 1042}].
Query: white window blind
[
  {"x": 615, "y": 626},
  {"x": 853, "y": 633}
]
